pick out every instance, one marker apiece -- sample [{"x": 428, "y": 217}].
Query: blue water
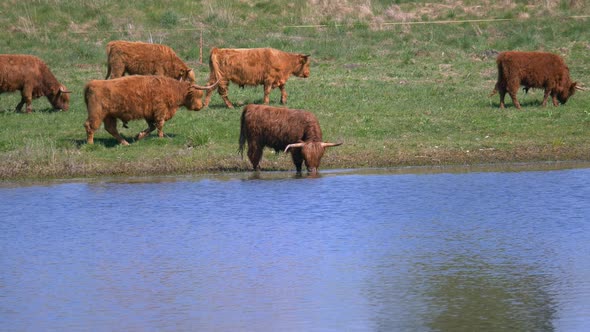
[{"x": 342, "y": 252}]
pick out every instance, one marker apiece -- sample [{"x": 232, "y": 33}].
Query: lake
[{"x": 347, "y": 251}]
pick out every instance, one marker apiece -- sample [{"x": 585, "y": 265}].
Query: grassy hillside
[{"x": 399, "y": 82}]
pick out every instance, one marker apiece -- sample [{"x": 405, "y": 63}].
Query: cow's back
[
  {"x": 532, "y": 68},
  {"x": 16, "y": 70},
  {"x": 133, "y": 97},
  {"x": 141, "y": 58},
  {"x": 277, "y": 127},
  {"x": 241, "y": 65}
]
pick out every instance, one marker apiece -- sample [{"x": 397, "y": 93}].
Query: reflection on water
[{"x": 476, "y": 251}]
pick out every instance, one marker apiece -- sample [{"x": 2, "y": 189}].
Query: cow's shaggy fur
[
  {"x": 137, "y": 58},
  {"x": 153, "y": 98},
  {"x": 286, "y": 129},
  {"x": 539, "y": 70},
  {"x": 256, "y": 66},
  {"x": 31, "y": 76}
]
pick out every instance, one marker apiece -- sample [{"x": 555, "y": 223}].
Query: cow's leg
[
  {"x": 267, "y": 90},
  {"x": 160, "y": 125},
  {"x": 222, "y": 88},
  {"x": 19, "y": 107},
  {"x": 26, "y": 98},
  {"x": 297, "y": 157},
  {"x": 147, "y": 131},
  {"x": 110, "y": 124},
  {"x": 545, "y": 97},
  {"x": 501, "y": 89},
  {"x": 283, "y": 94},
  {"x": 255, "y": 154},
  {"x": 91, "y": 126},
  {"x": 208, "y": 96},
  {"x": 212, "y": 80},
  {"x": 555, "y": 102},
  {"x": 502, "y": 96},
  {"x": 512, "y": 90}
]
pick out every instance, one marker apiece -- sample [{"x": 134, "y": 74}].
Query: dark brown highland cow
[
  {"x": 254, "y": 66},
  {"x": 285, "y": 129},
  {"x": 533, "y": 70},
  {"x": 137, "y": 58},
  {"x": 153, "y": 98},
  {"x": 31, "y": 76}
]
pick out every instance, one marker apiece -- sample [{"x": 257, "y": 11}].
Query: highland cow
[
  {"x": 153, "y": 98},
  {"x": 297, "y": 131},
  {"x": 267, "y": 66},
  {"x": 31, "y": 76},
  {"x": 534, "y": 70},
  {"x": 137, "y": 58}
]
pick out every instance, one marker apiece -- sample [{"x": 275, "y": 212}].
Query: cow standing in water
[
  {"x": 534, "y": 70},
  {"x": 295, "y": 131},
  {"x": 31, "y": 76},
  {"x": 254, "y": 66}
]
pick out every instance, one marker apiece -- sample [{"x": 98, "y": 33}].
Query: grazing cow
[
  {"x": 137, "y": 58},
  {"x": 31, "y": 76},
  {"x": 285, "y": 129},
  {"x": 153, "y": 98},
  {"x": 533, "y": 70},
  {"x": 254, "y": 66}
]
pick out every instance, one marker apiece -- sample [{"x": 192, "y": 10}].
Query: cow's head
[
  {"x": 194, "y": 97},
  {"x": 564, "y": 94},
  {"x": 187, "y": 75},
  {"x": 60, "y": 98},
  {"x": 312, "y": 153},
  {"x": 302, "y": 68}
]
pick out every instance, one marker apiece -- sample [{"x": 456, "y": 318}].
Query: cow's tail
[
  {"x": 86, "y": 95},
  {"x": 500, "y": 76},
  {"x": 494, "y": 91},
  {"x": 214, "y": 72},
  {"x": 108, "y": 61},
  {"x": 243, "y": 133}
]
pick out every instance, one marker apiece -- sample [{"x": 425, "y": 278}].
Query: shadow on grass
[
  {"x": 240, "y": 105},
  {"x": 106, "y": 142},
  {"x": 111, "y": 142},
  {"x": 23, "y": 111},
  {"x": 527, "y": 103}
]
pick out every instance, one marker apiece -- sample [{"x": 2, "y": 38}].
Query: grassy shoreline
[{"x": 395, "y": 95}]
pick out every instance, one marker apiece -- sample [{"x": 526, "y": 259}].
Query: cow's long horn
[
  {"x": 581, "y": 88},
  {"x": 206, "y": 87},
  {"x": 294, "y": 145},
  {"x": 62, "y": 89},
  {"x": 329, "y": 145}
]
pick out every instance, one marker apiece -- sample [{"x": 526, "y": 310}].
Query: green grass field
[{"x": 399, "y": 83}]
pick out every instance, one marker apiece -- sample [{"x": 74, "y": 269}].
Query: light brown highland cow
[{"x": 137, "y": 58}]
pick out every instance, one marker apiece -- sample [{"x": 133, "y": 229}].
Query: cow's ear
[{"x": 304, "y": 58}]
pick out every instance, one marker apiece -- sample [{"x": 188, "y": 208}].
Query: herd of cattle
[{"x": 160, "y": 82}]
